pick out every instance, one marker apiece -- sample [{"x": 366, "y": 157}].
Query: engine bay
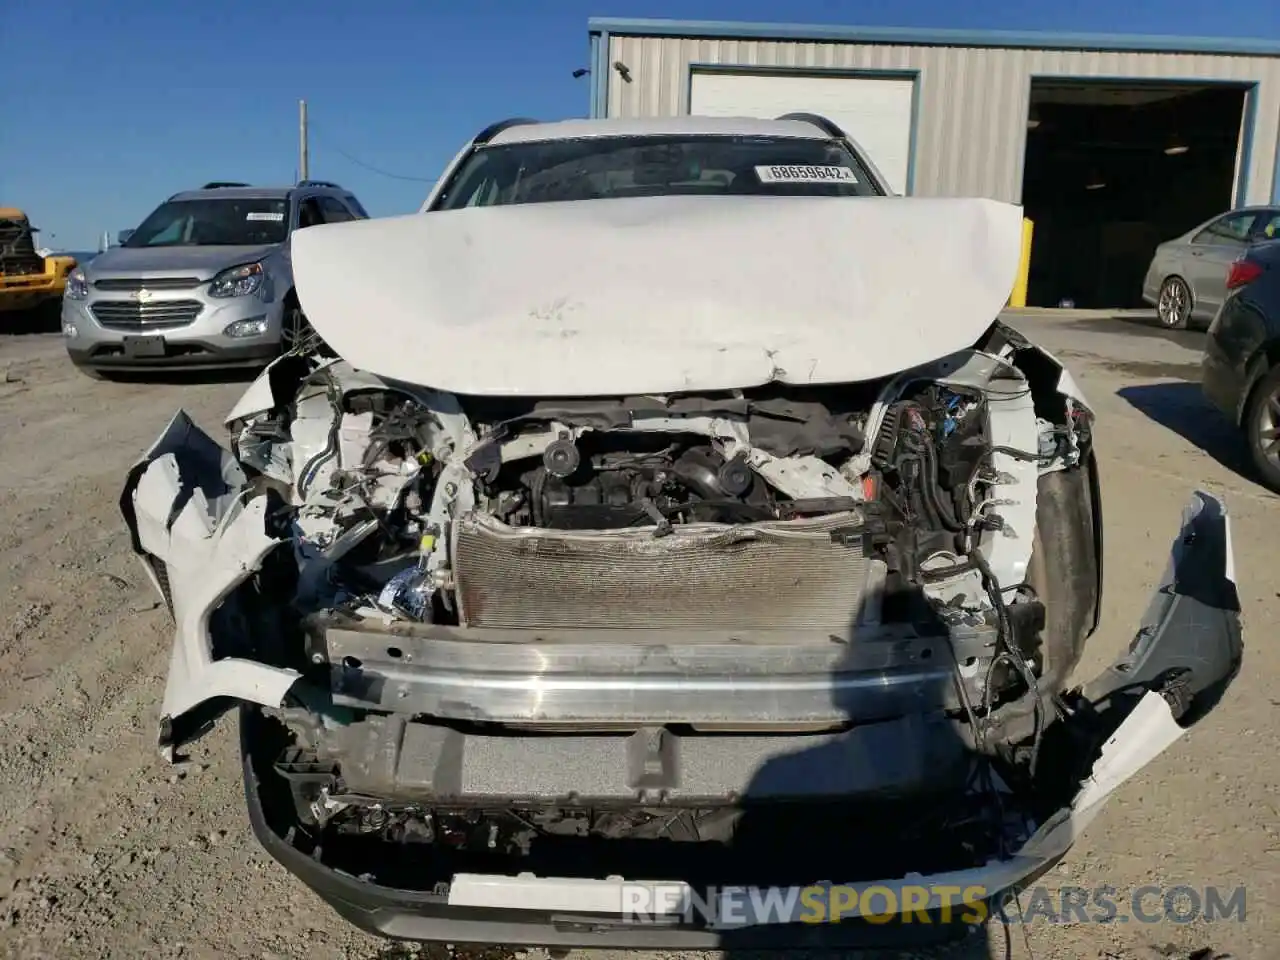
[
  {"x": 881, "y": 530},
  {"x": 380, "y": 478}
]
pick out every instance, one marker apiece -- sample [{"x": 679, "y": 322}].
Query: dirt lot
[{"x": 107, "y": 852}]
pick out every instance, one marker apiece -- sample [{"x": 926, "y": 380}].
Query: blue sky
[{"x": 110, "y": 106}]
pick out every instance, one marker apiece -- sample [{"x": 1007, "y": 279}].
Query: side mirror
[{"x": 123, "y": 236}]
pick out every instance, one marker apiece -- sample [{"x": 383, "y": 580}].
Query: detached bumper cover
[
  {"x": 199, "y": 540},
  {"x": 1185, "y": 654}
]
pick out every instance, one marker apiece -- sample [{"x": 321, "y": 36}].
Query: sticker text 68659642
[{"x": 805, "y": 173}]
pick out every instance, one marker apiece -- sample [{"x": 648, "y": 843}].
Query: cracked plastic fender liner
[{"x": 199, "y": 540}]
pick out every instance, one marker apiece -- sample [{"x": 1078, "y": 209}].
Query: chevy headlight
[
  {"x": 237, "y": 281},
  {"x": 77, "y": 288}
]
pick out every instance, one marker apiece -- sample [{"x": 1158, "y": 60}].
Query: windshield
[
  {"x": 604, "y": 167},
  {"x": 220, "y": 222}
]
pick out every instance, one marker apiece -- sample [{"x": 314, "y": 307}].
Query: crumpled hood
[{"x": 659, "y": 295}]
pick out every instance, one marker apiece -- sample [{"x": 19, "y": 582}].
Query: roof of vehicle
[
  {"x": 12, "y": 213},
  {"x": 258, "y": 193},
  {"x": 529, "y": 132}
]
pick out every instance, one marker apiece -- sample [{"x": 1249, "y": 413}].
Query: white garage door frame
[{"x": 833, "y": 73}]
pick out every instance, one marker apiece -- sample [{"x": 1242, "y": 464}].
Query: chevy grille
[{"x": 157, "y": 315}]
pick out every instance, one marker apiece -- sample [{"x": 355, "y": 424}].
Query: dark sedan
[{"x": 1241, "y": 372}]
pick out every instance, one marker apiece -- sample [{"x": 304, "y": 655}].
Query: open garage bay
[{"x": 1114, "y": 168}]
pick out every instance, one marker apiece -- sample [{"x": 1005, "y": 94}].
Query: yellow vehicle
[{"x": 27, "y": 279}]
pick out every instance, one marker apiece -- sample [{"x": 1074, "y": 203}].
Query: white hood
[{"x": 659, "y": 295}]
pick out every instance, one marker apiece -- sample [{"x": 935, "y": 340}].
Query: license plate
[{"x": 144, "y": 346}]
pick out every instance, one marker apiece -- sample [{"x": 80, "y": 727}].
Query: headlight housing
[
  {"x": 238, "y": 281},
  {"x": 77, "y": 287}
]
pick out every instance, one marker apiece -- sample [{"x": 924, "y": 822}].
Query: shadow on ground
[
  {"x": 190, "y": 378},
  {"x": 1141, "y": 325},
  {"x": 1181, "y": 407},
  {"x": 46, "y": 318}
]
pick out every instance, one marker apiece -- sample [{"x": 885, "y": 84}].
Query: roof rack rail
[
  {"x": 819, "y": 121},
  {"x": 320, "y": 183},
  {"x": 491, "y": 131},
  {"x": 218, "y": 184}
]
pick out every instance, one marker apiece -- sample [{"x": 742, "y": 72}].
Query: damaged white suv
[{"x": 665, "y": 505}]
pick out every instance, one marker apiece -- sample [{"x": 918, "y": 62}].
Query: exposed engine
[
  {"x": 609, "y": 476},
  {"x": 917, "y": 497},
  {"x": 892, "y": 516},
  {"x": 627, "y": 482}
]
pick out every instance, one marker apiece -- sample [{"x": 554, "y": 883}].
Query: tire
[
  {"x": 1173, "y": 304},
  {"x": 1065, "y": 573},
  {"x": 1262, "y": 429},
  {"x": 1064, "y": 570}
]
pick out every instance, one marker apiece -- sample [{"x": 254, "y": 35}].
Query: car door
[{"x": 1209, "y": 256}]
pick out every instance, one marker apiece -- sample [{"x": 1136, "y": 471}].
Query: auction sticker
[
  {"x": 264, "y": 215},
  {"x": 793, "y": 173}
]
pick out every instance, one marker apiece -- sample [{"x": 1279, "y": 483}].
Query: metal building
[{"x": 1021, "y": 117}]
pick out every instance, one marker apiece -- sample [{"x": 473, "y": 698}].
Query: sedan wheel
[
  {"x": 1263, "y": 427},
  {"x": 1174, "y": 304}
]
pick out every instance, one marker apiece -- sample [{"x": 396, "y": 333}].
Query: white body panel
[{"x": 659, "y": 295}]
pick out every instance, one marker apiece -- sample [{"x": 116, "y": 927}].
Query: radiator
[{"x": 780, "y": 574}]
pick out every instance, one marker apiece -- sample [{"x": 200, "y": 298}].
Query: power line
[{"x": 368, "y": 166}]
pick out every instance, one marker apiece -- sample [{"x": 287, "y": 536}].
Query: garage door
[{"x": 875, "y": 111}]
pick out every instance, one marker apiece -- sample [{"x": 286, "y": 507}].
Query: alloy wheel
[
  {"x": 1174, "y": 305},
  {"x": 1268, "y": 427}
]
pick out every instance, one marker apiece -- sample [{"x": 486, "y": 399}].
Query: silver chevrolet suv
[{"x": 204, "y": 281}]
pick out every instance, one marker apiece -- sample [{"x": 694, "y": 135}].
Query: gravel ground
[{"x": 107, "y": 852}]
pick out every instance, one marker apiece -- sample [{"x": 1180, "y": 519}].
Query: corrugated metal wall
[{"x": 973, "y": 101}]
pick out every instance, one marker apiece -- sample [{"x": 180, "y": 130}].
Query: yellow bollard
[{"x": 1018, "y": 298}]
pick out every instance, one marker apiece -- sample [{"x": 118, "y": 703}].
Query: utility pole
[{"x": 302, "y": 139}]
